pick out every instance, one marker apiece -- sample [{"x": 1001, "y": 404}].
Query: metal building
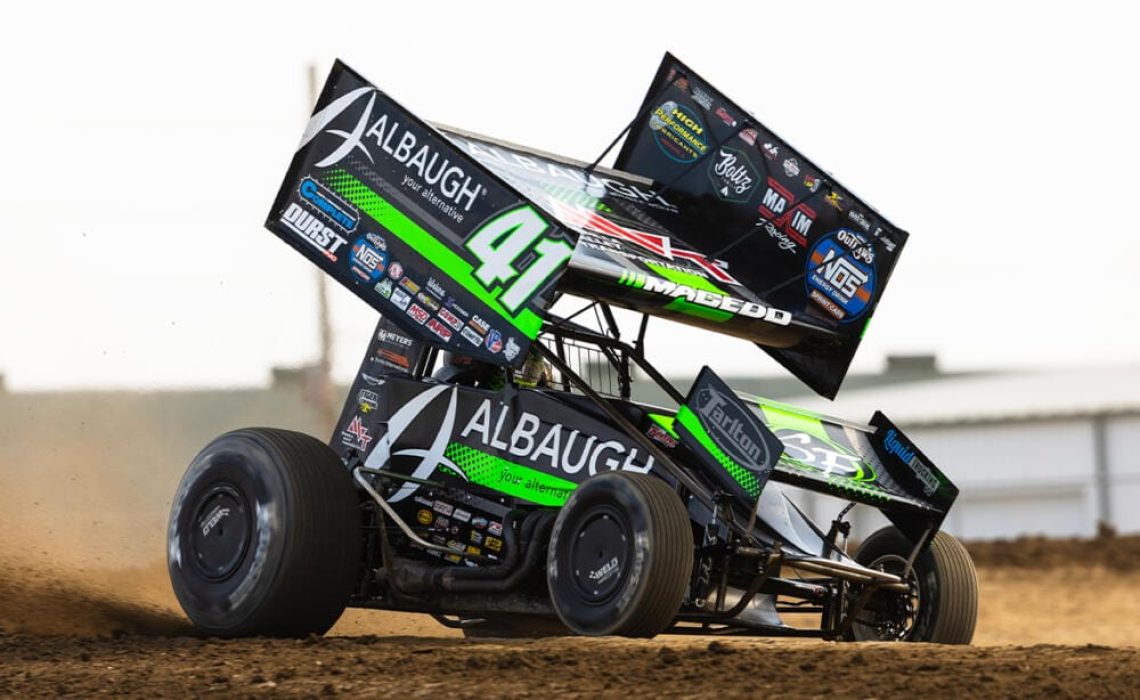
[{"x": 1052, "y": 453}]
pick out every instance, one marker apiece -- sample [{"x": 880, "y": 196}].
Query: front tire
[
  {"x": 620, "y": 557},
  {"x": 942, "y": 606},
  {"x": 264, "y": 536}
]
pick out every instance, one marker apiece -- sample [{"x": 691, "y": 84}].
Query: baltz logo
[
  {"x": 400, "y": 143},
  {"x": 733, "y": 430},
  {"x": 733, "y": 176},
  {"x": 326, "y": 202},
  {"x": 312, "y": 230}
]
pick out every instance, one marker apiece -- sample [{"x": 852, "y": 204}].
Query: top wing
[
  {"x": 392, "y": 210},
  {"x": 785, "y": 227}
]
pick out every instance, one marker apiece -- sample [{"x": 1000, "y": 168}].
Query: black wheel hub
[
  {"x": 219, "y": 532},
  {"x": 599, "y": 554},
  {"x": 892, "y": 616}
]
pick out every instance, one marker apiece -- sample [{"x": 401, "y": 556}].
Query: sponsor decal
[
  {"x": 384, "y": 288},
  {"x": 605, "y": 572},
  {"x": 400, "y": 298},
  {"x": 678, "y": 131},
  {"x": 895, "y": 445},
  {"x": 701, "y": 97},
  {"x": 659, "y": 245},
  {"x": 704, "y": 297},
  {"x": 424, "y": 501},
  {"x": 811, "y": 182},
  {"x": 480, "y": 326},
  {"x": 410, "y": 286},
  {"x": 395, "y": 270},
  {"x": 392, "y": 359},
  {"x": 328, "y": 203},
  {"x": 370, "y": 380},
  {"x": 792, "y": 167},
  {"x": 476, "y": 537},
  {"x": 495, "y": 528},
  {"x": 217, "y": 515},
  {"x": 839, "y": 268},
  {"x": 436, "y": 288},
  {"x": 658, "y": 434},
  {"x": 442, "y": 524},
  {"x": 887, "y": 242},
  {"x": 859, "y": 219},
  {"x": 450, "y": 319},
  {"x": 356, "y": 435},
  {"x": 367, "y": 262},
  {"x": 433, "y": 171},
  {"x": 550, "y": 446},
  {"x": 471, "y": 336},
  {"x": 367, "y": 400},
  {"x": 732, "y": 175},
  {"x": 809, "y": 452},
  {"x": 391, "y": 337},
  {"x": 734, "y": 430},
  {"x": 461, "y": 515},
  {"x": 794, "y": 223},
  {"x": 725, "y": 116},
  {"x": 459, "y": 310},
  {"x": 418, "y": 314},
  {"x": 443, "y": 507},
  {"x": 511, "y": 350},
  {"x": 439, "y": 329},
  {"x": 494, "y": 341},
  {"x": 423, "y": 516},
  {"x": 834, "y": 199},
  {"x": 312, "y": 230},
  {"x": 748, "y": 136},
  {"x": 494, "y": 544},
  {"x": 428, "y": 302},
  {"x": 479, "y": 523},
  {"x": 472, "y": 549},
  {"x": 771, "y": 150}
]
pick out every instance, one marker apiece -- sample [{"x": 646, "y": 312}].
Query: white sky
[{"x": 143, "y": 143}]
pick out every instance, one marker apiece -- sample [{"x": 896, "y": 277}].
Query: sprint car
[{"x": 494, "y": 465}]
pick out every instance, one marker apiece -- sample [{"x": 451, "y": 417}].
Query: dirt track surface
[
  {"x": 409, "y": 666},
  {"x": 1046, "y": 628}
]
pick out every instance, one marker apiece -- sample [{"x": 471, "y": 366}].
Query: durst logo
[{"x": 732, "y": 429}]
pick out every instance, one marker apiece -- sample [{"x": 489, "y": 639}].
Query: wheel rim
[
  {"x": 599, "y": 554},
  {"x": 891, "y": 616},
  {"x": 219, "y": 532}
]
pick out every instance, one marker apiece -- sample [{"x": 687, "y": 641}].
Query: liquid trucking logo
[
  {"x": 386, "y": 134},
  {"x": 895, "y": 445},
  {"x": 733, "y": 430}
]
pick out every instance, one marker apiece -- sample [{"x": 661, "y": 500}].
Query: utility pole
[{"x": 322, "y": 382}]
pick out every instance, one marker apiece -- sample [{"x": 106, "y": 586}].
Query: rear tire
[
  {"x": 943, "y": 604},
  {"x": 264, "y": 536},
  {"x": 621, "y": 556}
]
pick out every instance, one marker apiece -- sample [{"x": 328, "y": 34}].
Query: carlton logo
[{"x": 732, "y": 428}]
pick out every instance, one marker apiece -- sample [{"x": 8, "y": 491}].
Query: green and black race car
[{"x": 491, "y": 466}]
